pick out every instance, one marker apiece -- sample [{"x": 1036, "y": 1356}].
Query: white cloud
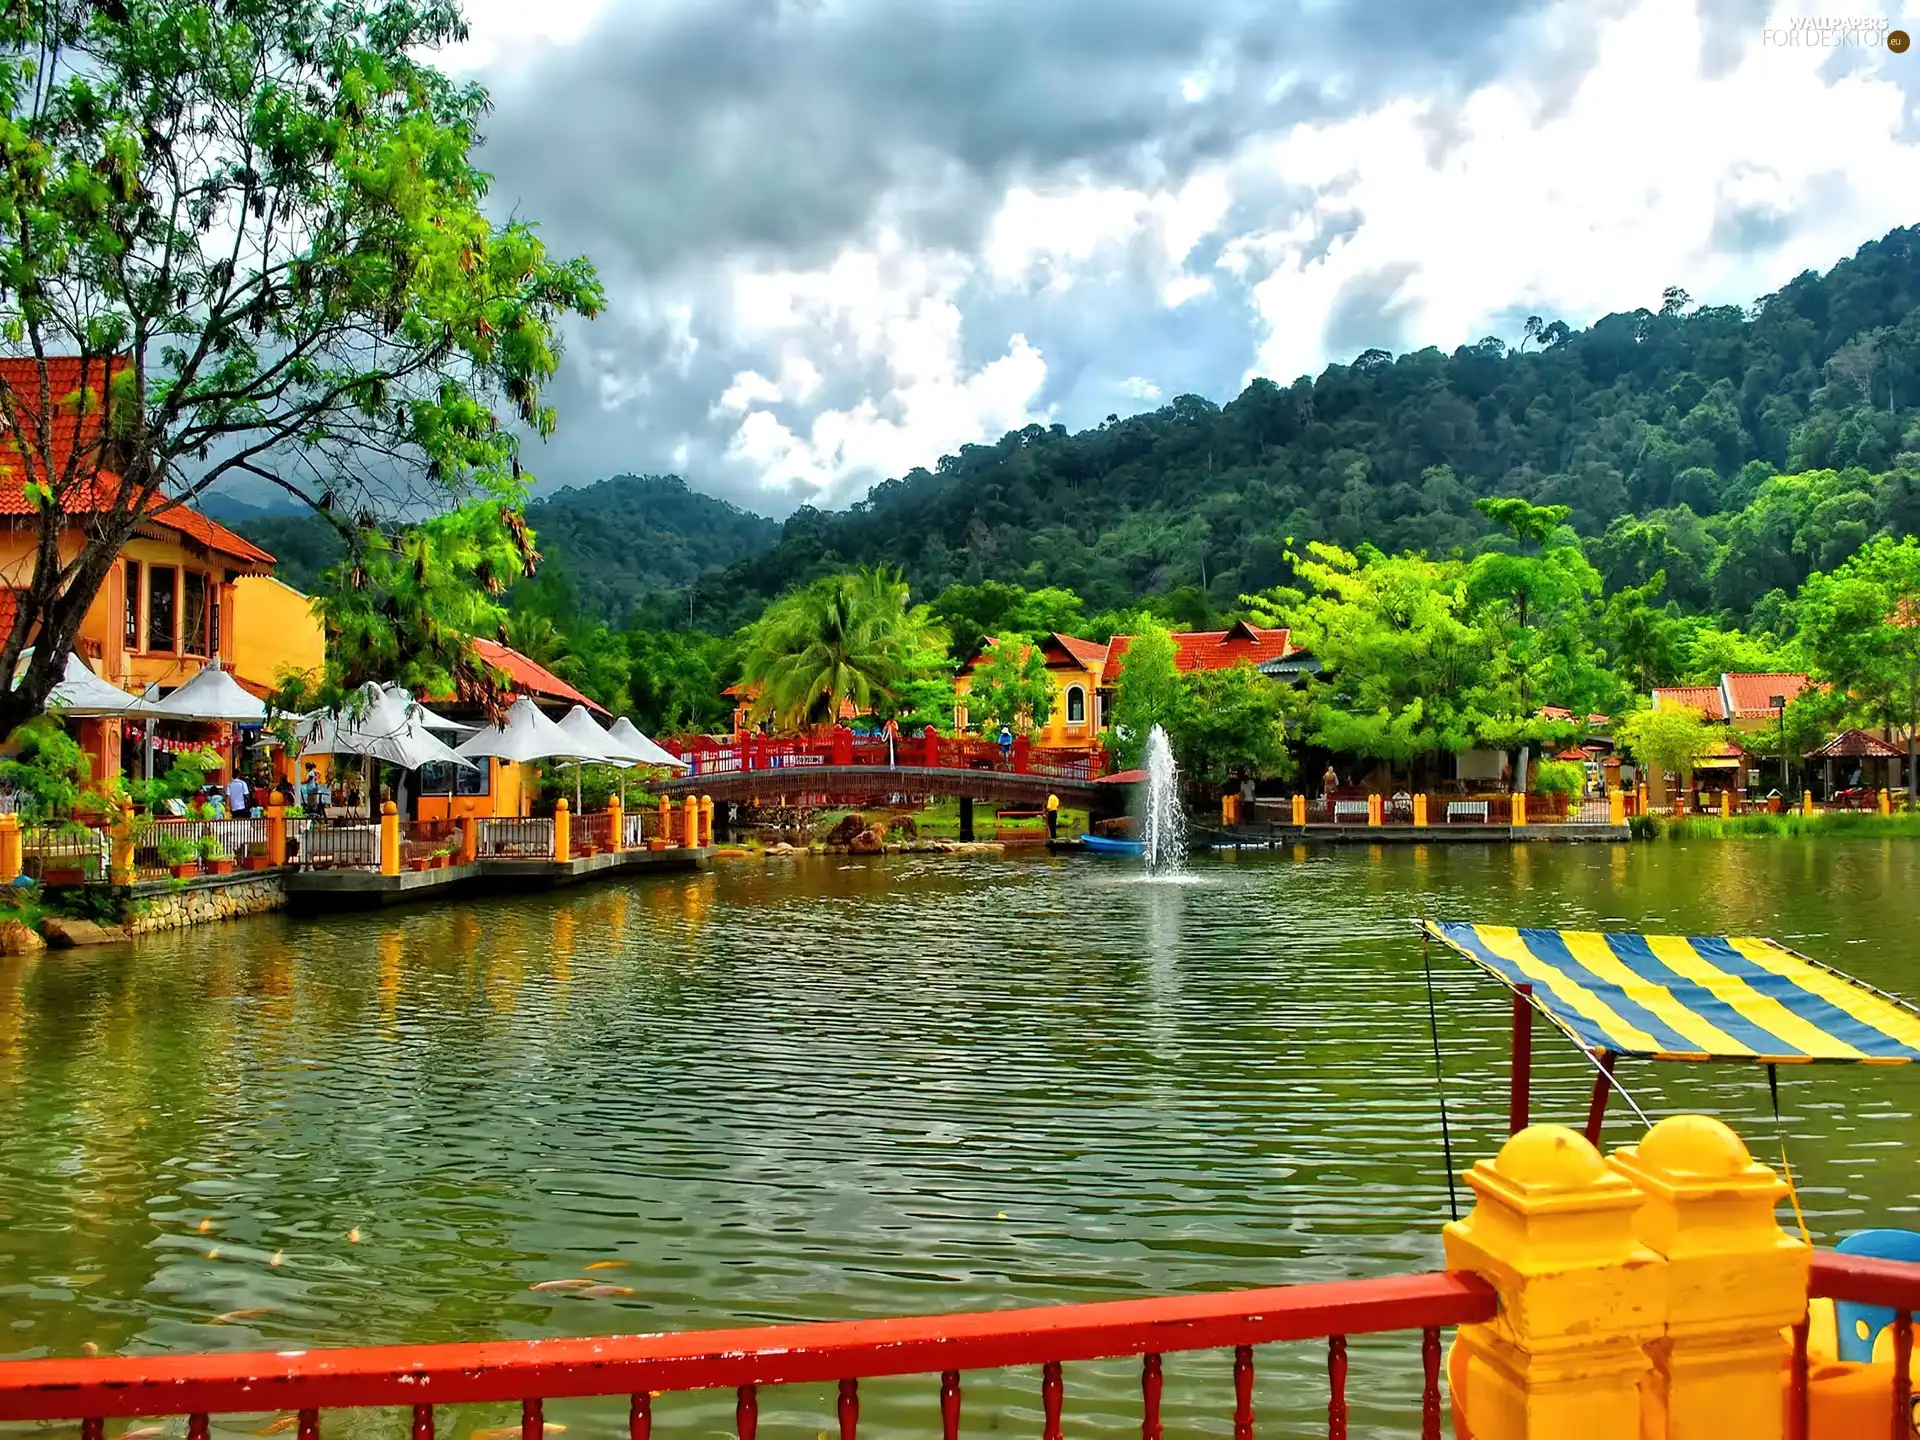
[
  {"x": 1138, "y": 387},
  {"x": 504, "y": 33},
  {"x": 1593, "y": 207}
]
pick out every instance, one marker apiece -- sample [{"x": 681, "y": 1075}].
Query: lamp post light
[{"x": 1779, "y": 703}]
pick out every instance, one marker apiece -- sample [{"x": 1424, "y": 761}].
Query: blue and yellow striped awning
[{"x": 1692, "y": 997}]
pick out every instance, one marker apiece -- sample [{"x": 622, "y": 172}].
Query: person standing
[
  {"x": 1006, "y": 743},
  {"x": 1053, "y": 817},
  {"x": 1330, "y": 781},
  {"x": 893, "y": 739},
  {"x": 239, "y": 796}
]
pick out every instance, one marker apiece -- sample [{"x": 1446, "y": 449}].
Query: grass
[
  {"x": 1741, "y": 827},
  {"x": 941, "y": 821}
]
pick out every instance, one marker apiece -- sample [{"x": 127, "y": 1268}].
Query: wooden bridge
[{"x": 844, "y": 769}]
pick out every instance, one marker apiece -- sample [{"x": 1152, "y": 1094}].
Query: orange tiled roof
[
  {"x": 1704, "y": 698},
  {"x": 530, "y": 676},
  {"x": 1243, "y": 644},
  {"x": 1751, "y": 694},
  {"x": 1087, "y": 652},
  {"x": 75, "y": 431},
  {"x": 1856, "y": 745}
]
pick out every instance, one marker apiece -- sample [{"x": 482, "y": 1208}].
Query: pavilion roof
[{"x": 1855, "y": 745}]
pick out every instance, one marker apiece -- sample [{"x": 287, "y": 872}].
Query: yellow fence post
[
  {"x": 1376, "y": 809},
  {"x": 1806, "y": 802},
  {"x": 1551, "y": 1230},
  {"x": 469, "y": 839},
  {"x": 562, "y": 832},
  {"x": 1300, "y": 810},
  {"x": 690, "y": 822},
  {"x": 1420, "y": 809},
  {"x": 664, "y": 836},
  {"x": 1726, "y": 804},
  {"x": 120, "y": 857},
  {"x": 1517, "y": 804},
  {"x": 276, "y": 828},
  {"x": 706, "y": 820},
  {"x": 1616, "y": 806},
  {"x": 9, "y": 849},
  {"x": 389, "y": 838},
  {"x": 1886, "y": 802},
  {"x": 616, "y": 824},
  {"x": 1735, "y": 1279}
]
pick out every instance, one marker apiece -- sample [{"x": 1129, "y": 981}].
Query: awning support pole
[
  {"x": 1517, "y": 1099},
  {"x": 1602, "y": 1085}
]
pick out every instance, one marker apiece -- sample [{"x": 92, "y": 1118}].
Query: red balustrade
[
  {"x": 1892, "y": 1284},
  {"x": 647, "y": 1366}
]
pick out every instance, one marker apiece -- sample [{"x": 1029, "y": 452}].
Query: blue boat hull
[{"x": 1101, "y": 845}]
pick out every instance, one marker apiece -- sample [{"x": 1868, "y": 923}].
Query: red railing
[
  {"x": 645, "y": 1366},
  {"x": 1889, "y": 1284},
  {"x": 943, "y": 752}
]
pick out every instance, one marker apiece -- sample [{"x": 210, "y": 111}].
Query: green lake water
[{"x": 827, "y": 1088}]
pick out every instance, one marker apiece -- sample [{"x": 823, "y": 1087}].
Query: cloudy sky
[{"x": 843, "y": 237}]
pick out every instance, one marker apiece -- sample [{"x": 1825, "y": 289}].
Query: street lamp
[{"x": 1779, "y": 703}]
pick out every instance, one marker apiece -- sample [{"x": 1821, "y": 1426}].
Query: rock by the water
[
  {"x": 19, "y": 938},
  {"x": 867, "y": 842},
  {"x": 844, "y": 832},
  {"x": 65, "y": 933}
]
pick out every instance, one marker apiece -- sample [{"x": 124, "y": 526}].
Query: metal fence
[
  {"x": 334, "y": 845},
  {"x": 516, "y": 837},
  {"x": 592, "y": 831}
]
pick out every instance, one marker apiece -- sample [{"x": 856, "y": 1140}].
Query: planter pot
[
  {"x": 256, "y": 862},
  {"x": 587, "y": 851},
  {"x": 417, "y": 865},
  {"x": 656, "y": 844},
  {"x": 186, "y": 871},
  {"x": 63, "y": 876},
  {"x": 220, "y": 867}
]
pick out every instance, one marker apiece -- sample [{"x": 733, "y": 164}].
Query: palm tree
[{"x": 850, "y": 639}]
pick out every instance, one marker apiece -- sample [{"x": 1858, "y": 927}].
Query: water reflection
[{"x": 812, "y": 1089}]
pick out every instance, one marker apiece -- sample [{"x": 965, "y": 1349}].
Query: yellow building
[
  {"x": 275, "y": 632},
  {"x": 178, "y": 596}
]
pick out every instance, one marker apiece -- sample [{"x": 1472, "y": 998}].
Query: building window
[
  {"x": 440, "y": 778},
  {"x": 131, "y": 586},
  {"x": 160, "y": 635},
  {"x": 193, "y": 614},
  {"x": 1076, "y": 706}
]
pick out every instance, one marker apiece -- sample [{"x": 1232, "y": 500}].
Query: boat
[{"x": 1101, "y": 845}]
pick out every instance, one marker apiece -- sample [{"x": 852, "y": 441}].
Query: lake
[{"x": 826, "y": 1087}]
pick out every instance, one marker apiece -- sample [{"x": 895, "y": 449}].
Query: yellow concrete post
[
  {"x": 1616, "y": 806},
  {"x": 1645, "y": 800},
  {"x": 1228, "y": 805},
  {"x": 1300, "y": 810},
  {"x": 389, "y": 838},
  {"x": 120, "y": 860},
  {"x": 616, "y": 825},
  {"x": 1735, "y": 1279},
  {"x": 1517, "y": 802},
  {"x": 1420, "y": 808},
  {"x": 663, "y": 837},
  {"x": 562, "y": 831},
  {"x": 469, "y": 851},
  {"x": 1806, "y": 802},
  {"x": 1726, "y": 804},
  {"x": 1376, "y": 809},
  {"x": 1551, "y": 1230},
  {"x": 1886, "y": 802},
  {"x": 706, "y": 820},
  {"x": 690, "y": 822},
  {"x": 9, "y": 849},
  {"x": 276, "y": 828}
]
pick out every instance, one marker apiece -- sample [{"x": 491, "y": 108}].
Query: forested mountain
[
  {"x": 1660, "y": 429},
  {"x": 620, "y": 543}
]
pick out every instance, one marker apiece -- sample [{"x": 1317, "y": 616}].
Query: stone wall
[{"x": 203, "y": 901}]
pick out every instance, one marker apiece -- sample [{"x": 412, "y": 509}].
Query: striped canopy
[{"x": 1679, "y": 997}]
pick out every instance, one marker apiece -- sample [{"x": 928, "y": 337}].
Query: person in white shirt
[{"x": 239, "y": 795}]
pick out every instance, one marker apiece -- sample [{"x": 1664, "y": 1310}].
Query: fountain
[{"x": 1163, "y": 829}]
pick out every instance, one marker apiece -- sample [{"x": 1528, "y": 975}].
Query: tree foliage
[
  {"x": 1860, "y": 627},
  {"x": 1010, "y": 687},
  {"x": 1669, "y": 740},
  {"x": 255, "y": 227}
]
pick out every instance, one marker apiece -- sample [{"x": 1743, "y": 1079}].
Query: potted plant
[
  {"x": 1559, "y": 779},
  {"x": 218, "y": 861},
  {"x": 256, "y": 857},
  {"x": 179, "y": 855},
  {"x": 443, "y": 857},
  {"x": 418, "y": 863}
]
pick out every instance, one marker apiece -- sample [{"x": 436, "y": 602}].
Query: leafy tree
[
  {"x": 1861, "y": 628},
  {"x": 1010, "y": 686},
  {"x": 674, "y": 680},
  {"x": 49, "y": 771},
  {"x": 849, "y": 639},
  {"x": 1671, "y": 741},
  {"x": 1149, "y": 691},
  {"x": 1644, "y": 641},
  {"x": 247, "y": 238},
  {"x": 1233, "y": 723}
]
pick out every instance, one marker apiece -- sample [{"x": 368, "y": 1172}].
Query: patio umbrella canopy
[
  {"x": 432, "y": 719},
  {"x": 579, "y": 727},
  {"x": 212, "y": 695},
  {"x": 526, "y": 736},
  {"x": 82, "y": 695},
  {"x": 624, "y": 733},
  {"x": 390, "y": 729}
]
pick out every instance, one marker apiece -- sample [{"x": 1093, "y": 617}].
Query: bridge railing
[
  {"x": 945, "y": 752},
  {"x": 645, "y": 1367}
]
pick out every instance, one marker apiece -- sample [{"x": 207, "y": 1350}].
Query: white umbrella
[
  {"x": 525, "y": 736},
  {"x": 212, "y": 695},
  {"x": 623, "y": 733},
  {"x": 580, "y": 727},
  {"x": 431, "y": 719},
  {"x": 387, "y": 730},
  {"x": 82, "y": 694}
]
